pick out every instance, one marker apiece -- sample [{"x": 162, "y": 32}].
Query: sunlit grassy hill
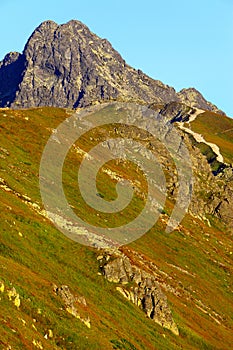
[{"x": 193, "y": 264}]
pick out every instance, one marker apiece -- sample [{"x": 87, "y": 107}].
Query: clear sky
[{"x": 183, "y": 43}]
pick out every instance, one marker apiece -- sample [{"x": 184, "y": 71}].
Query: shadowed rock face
[
  {"x": 69, "y": 66},
  {"x": 11, "y": 73}
]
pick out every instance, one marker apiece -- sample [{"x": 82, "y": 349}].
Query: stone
[
  {"x": 50, "y": 333},
  {"x": 12, "y": 293},
  {"x": 37, "y": 344},
  {"x": 17, "y": 301},
  {"x": 194, "y": 98},
  {"x": 70, "y": 303},
  {"x": 14, "y": 296},
  {"x": 66, "y": 295},
  {"x": 145, "y": 292},
  {"x": 11, "y": 69},
  {"x": 118, "y": 270},
  {"x": 2, "y": 287}
]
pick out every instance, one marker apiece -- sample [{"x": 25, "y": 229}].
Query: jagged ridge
[{"x": 69, "y": 66}]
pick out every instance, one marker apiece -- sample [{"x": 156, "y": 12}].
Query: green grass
[
  {"x": 43, "y": 256},
  {"x": 217, "y": 129}
]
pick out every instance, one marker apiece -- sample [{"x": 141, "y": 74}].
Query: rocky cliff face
[
  {"x": 145, "y": 291},
  {"x": 193, "y": 98},
  {"x": 11, "y": 73},
  {"x": 69, "y": 66}
]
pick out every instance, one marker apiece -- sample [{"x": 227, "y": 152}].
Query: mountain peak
[
  {"x": 192, "y": 97},
  {"x": 10, "y": 58},
  {"x": 47, "y": 25},
  {"x": 50, "y": 25},
  {"x": 69, "y": 66}
]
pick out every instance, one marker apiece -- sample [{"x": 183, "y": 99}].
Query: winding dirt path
[{"x": 198, "y": 137}]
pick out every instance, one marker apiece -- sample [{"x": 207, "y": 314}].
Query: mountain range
[{"x": 161, "y": 291}]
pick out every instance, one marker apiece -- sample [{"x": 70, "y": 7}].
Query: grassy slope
[
  {"x": 217, "y": 129},
  {"x": 43, "y": 256}
]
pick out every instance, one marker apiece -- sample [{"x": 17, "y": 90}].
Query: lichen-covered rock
[
  {"x": 2, "y": 287},
  {"x": 70, "y": 300},
  {"x": 14, "y": 296},
  {"x": 66, "y": 295},
  {"x": 192, "y": 97},
  {"x": 145, "y": 292},
  {"x": 118, "y": 270}
]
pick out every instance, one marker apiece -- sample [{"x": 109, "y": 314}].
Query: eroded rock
[
  {"x": 145, "y": 292},
  {"x": 70, "y": 300}
]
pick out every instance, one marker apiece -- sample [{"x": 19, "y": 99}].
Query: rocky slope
[
  {"x": 69, "y": 66},
  {"x": 193, "y": 98},
  {"x": 53, "y": 293},
  {"x": 213, "y": 173}
]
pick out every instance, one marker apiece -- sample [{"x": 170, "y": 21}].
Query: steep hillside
[
  {"x": 218, "y": 130},
  {"x": 58, "y": 294},
  {"x": 209, "y": 134}
]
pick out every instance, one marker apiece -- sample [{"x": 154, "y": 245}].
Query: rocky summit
[{"x": 69, "y": 66}]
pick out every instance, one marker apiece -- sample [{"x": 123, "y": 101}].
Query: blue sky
[{"x": 182, "y": 43}]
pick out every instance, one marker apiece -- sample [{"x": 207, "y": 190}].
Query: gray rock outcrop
[
  {"x": 71, "y": 301},
  {"x": 145, "y": 291},
  {"x": 193, "y": 98}
]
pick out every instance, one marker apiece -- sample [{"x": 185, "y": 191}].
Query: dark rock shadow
[{"x": 11, "y": 75}]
